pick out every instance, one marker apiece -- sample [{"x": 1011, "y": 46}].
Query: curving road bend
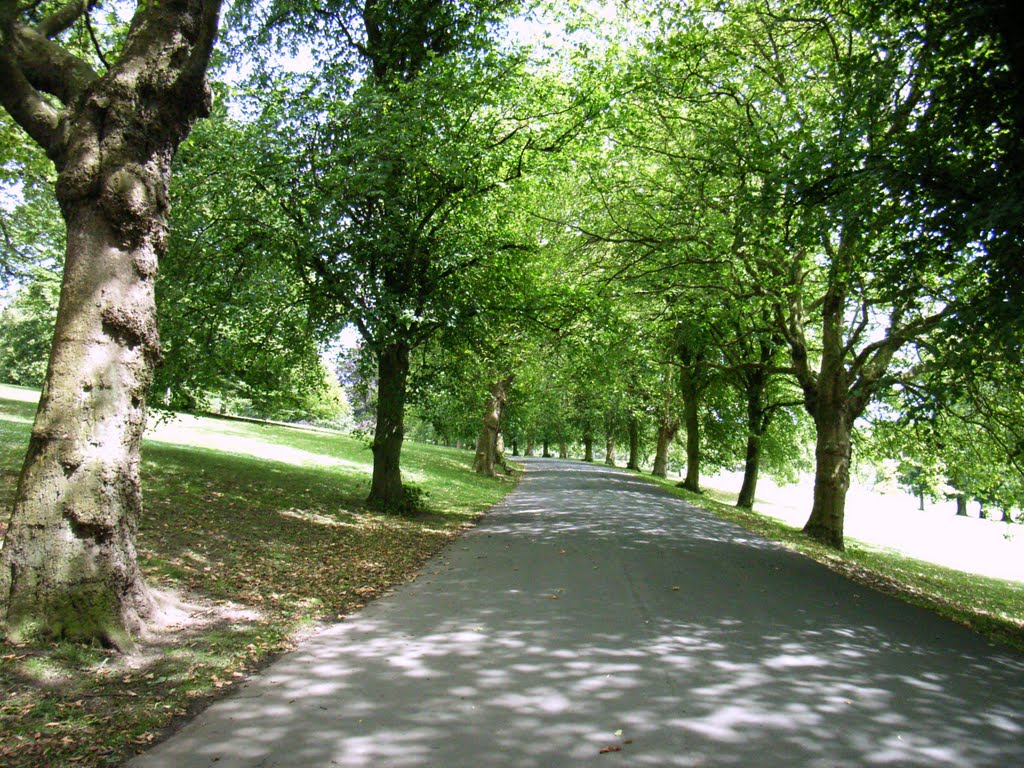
[{"x": 593, "y": 619}]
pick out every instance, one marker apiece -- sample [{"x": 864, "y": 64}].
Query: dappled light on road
[{"x": 593, "y": 610}]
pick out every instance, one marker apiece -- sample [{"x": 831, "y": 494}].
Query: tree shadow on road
[{"x": 524, "y": 647}]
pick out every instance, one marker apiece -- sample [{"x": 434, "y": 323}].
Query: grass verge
[
  {"x": 993, "y": 607},
  {"x": 262, "y": 531}
]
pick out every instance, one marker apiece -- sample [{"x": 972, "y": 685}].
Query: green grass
[
  {"x": 993, "y": 607},
  {"x": 263, "y": 526}
]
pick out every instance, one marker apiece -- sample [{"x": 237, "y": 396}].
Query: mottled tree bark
[
  {"x": 609, "y": 439},
  {"x": 756, "y": 426},
  {"x": 832, "y": 454},
  {"x": 386, "y": 490},
  {"x": 691, "y": 420},
  {"x": 751, "y": 470},
  {"x": 588, "y": 447},
  {"x": 487, "y": 443},
  {"x": 829, "y": 403},
  {"x": 68, "y": 568},
  {"x": 563, "y": 450},
  {"x": 667, "y": 428},
  {"x": 609, "y": 450},
  {"x": 961, "y": 504},
  {"x": 530, "y": 451},
  {"x": 634, "y": 445},
  {"x": 546, "y": 453}
]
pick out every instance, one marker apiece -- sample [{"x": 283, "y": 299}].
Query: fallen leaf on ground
[{"x": 609, "y": 748}]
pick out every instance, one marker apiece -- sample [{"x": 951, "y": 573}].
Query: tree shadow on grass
[{"x": 272, "y": 534}]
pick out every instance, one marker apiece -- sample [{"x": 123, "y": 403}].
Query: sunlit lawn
[{"x": 264, "y": 528}]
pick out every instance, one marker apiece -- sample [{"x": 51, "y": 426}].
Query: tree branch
[
  {"x": 47, "y": 66},
  {"x": 64, "y": 17},
  {"x": 96, "y": 43},
  {"x": 873, "y": 361},
  {"x": 202, "y": 49},
  {"x": 25, "y": 105}
]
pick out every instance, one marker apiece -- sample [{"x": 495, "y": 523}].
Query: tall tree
[
  {"x": 803, "y": 116},
  {"x": 26, "y": 330},
  {"x": 406, "y": 156},
  {"x": 68, "y": 567}
]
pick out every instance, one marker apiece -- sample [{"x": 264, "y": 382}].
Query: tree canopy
[{"x": 747, "y": 235}]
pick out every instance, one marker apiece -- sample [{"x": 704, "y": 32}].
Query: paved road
[{"x": 593, "y": 610}]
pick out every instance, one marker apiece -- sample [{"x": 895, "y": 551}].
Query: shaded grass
[
  {"x": 264, "y": 547},
  {"x": 993, "y": 607}
]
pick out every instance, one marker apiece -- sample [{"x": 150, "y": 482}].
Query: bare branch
[
  {"x": 25, "y": 105},
  {"x": 64, "y": 17},
  {"x": 48, "y": 67},
  {"x": 873, "y": 361},
  {"x": 96, "y": 43}
]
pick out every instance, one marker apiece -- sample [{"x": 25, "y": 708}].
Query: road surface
[{"x": 593, "y": 619}]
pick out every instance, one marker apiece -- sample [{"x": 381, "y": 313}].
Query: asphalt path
[{"x": 594, "y": 619}]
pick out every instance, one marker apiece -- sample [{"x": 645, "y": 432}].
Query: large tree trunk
[
  {"x": 499, "y": 451},
  {"x": 546, "y": 452},
  {"x": 487, "y": 443},
  {"x": 68, "y": 567},
  {"x": 961, "y": 504},
  {"x": 609, "y": 440},
  {"x": 70, "y": 552},
  {"x": 831, "y": 482},
  {"x": 529, "y": 447},
  {"x": 634, "y": 445},
  {"x": 830, "y": 403},
  {"x": 392, "y": 373},
  {"x": 756, "y": 426},
  {"x": 666, "y": 434},
  {"x": 751, "y": 470},
  {"x": 833, "y": 447},
  {"x": 588, "y": 447},
  {"x": 563, "y": 450},
  {"x": 692, "y": 423}
]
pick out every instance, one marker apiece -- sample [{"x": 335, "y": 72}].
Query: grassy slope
[
  {"x": 266, "y": 545},
  {"x": 994, "y": 607}
]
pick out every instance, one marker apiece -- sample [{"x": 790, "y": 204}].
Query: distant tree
[
  {"x": 405, "y": 154},
  {"x": 958, "y": 429},
  {"x": 26, "y": 330},
  {"x": 231, "y": 301}
]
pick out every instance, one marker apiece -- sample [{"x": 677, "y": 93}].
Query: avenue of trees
[{"x": 751, "y": 235}]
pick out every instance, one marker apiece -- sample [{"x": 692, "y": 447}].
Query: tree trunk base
[
  {"x": 74, "y": 608},
  {"x": 826, "y": 535}
]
